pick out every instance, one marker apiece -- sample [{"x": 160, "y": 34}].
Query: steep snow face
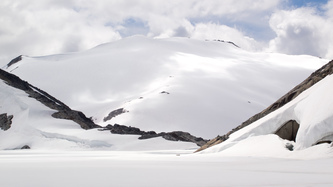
[
  {"x": 202, "y": 87},
  {"x": 313, "y": 110},
  {"x": 33, "y": 125}
]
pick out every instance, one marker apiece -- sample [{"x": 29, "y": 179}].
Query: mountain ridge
[
  {"x": 314, "y": 78},
  {"x": 64, "y": 112}
]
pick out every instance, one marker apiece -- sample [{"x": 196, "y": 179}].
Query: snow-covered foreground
[{"x": 159, "y": 168}]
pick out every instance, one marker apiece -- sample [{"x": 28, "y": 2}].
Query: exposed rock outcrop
[
  {"x": 64, "y": 112},
  {"x": 172, "y": 136},
  {"x": 122, "y": 129},
  {"x": 288, "y": 131},
  {"x": 114, "y": 114},
  {"x": 5, "y": 121},
  {"x": 15, "y": 60},
  {"x": 183, "y": 136},
  {"x": 165, "y": 92},
  {"x": 307, "y": 83},
  {"x": 229, "y": 42},
  {"x": 25, "y": 147}
]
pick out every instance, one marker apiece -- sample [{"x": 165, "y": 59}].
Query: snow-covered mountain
[
  {"x": 31, "y": 118},
  {"x": 202, "y": 87}
]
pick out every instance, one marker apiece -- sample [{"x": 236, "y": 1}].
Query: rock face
[
  {"x": 25, "y": 147},
  {"x": 172, "y": 136},
  {"x": 230, "y": 42},
  {"x": 288, "y": 131},
  {"x": 64, "y": 112},
  {"x": 122, "y": 129},
  {"x": 5, "y": 121},
  {"x": 114, "y": 114},
  {"x": 183, "y": 136},
  {"x": 15, "y": 60},
  {"x": 307, "y": 83}
]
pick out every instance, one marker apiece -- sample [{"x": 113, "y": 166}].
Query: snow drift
[{"x": 310, "y": 115}]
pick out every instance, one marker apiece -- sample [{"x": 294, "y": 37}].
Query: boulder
[
  {"x": 5, "y": 121},
  {"x": 25, "y": 147},
  {"x": 114, "y": 114}
]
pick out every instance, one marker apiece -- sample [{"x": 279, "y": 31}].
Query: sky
[{"x": 44, "y": 27}]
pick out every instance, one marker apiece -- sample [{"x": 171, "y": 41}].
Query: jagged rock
[
  {"x": 172, "y": 136},
  {"x": 148, "y": 135},
  {"x": 5, "y": 121},
  {"x": 165, "y": 92},
  {"x": 122, "y": 129},
  {"x": 25, "y": 147},
  {"x": 64, "y": 112},
  {"x": 183, "y": 136},
  {"x": 15, "y": 60},
  {"x": 290, "y": 146},
  {"x": 114, "y": 114},
  {"x": 14, "y": 80},
  {"x": 76, "y": 116},
  {"x": 232, "y": 43},
  {"x": 297, "y": 90}
]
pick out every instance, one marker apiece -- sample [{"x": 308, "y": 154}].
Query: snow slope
[
  {"x": 33, "y": 125},
  {"x": 312, "y": 109},
  {"x": 202, "y": 87}
]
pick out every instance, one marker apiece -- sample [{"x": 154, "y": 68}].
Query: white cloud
[
  {"x": 39, "y": 27},
  {"x": 230, "y": 7},
  {"x": 303, "y": 31},
  {"x": 329, "y": 9}
]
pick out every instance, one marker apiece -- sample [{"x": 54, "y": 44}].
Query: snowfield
[
  {"x": 33, "y": 125},
  {"x": 202, "y": 87},
  {"x": 205, "y": 88},
  {"x": 158, "y": 168}
]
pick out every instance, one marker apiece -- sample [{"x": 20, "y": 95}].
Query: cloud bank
[
  {"x": 303, "y": 31},
  {"x": 41, "y": 27}
]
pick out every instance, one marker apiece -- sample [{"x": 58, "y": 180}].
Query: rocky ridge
[
  {"x": 172, "y": 136},
  {"x": 64, "y": 112},
  {"x": 307, "y": 83}
]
